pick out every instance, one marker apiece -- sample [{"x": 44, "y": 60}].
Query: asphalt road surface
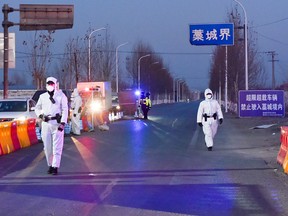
[{"x": 158, "y": 166}]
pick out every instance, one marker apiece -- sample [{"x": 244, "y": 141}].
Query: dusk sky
[{"x": 164, "y": 25}]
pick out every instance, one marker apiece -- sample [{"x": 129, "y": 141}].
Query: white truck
[{"x": 87, "y": 88}]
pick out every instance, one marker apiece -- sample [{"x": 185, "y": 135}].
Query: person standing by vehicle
[
  {"x": 146, "y": 105},
  {"x": 76, "y": 106},
  {"x": 209, "y": 112},
  {"x": 52, "y": 108},
  {"x": 141, "y": 105}
]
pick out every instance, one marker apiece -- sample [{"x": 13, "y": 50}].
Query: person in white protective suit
[
  {"x": 208, "y": 115},
  {"x": 52, "y": 108},
  {"x": 76, "y": 106}
]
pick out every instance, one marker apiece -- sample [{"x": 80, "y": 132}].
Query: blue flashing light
[{"x": 137, "y": 92}]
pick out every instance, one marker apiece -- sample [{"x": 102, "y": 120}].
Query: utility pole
[
  {"x": 272, "y": 53},
  {"x": 76, "y": 68}
]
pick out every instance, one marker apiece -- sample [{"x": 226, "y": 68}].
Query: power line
[
  {"x": 271, "y": 23},
  {"x": 127, "y": 52},
  {"x": 272, "y": 53},
  {"x": 272, "y": 39},
  {"x": 267, "y": 24}
]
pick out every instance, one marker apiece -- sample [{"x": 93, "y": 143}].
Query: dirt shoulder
[{"x": 260, "y": 135}]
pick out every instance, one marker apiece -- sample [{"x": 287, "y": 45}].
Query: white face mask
[{"x": 50, "y": 88}]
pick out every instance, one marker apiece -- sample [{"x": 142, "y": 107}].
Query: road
[{"x": 140, "y": 168}]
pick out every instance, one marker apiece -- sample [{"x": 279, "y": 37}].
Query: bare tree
[
  {"x": 73, "y": 66},
  {"x": 18, "y": 79},
  {"x": 236, "y": 62},
  {"x": 154, "y": 76},
  {"x": 140, "y": 49},
  {"x": 70, "y": 65},
  {"x": 40, "y": 57},
  {"x": 105, "y": 54},
  {"x": 102, "y": 55}
]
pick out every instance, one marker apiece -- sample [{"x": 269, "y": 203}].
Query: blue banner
[
  {"x": 212, "y": 34},
  {"x": 253, "y": 103}
]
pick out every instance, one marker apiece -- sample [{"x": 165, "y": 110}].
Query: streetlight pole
[
  {"x": 174, "y": 89},
  {"x": 117, "y": 64},
  {"x": 180, "y": 89},
  {"x": 175, "y": 92},
  {"x": 89, "y": 52},
  {"x": 246, "y": 44},
  {"x": 177, "y": 88},
  {"x": 139, "y": 61}
]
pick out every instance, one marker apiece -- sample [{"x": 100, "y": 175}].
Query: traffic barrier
[
  {"x": 1, "y": 151},
  {"x": 38, "y": 133},
  {"x": 5, "y": 137},
  {"x": 284, "y": 146},
  {"x": 118, "y": 115},
  {"x": 85, "y": 123},
  {"x": 14, "y": 136},
  {"x": 22, "y": 132},
  {"x": 31, "y": 131},
  {"x": 285, "y": 164},
  {"x": 115, "y": 116},
  {"x": 111, "y": 117},
  {"x": 67, "y": 128},
  {"x": 105, "y": 116}
]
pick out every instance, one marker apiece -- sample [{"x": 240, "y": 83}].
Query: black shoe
[
  {"x": 54, "y": 170},
  {"x": 209, "y": 148},
  {"x": 49, "y": 171}
]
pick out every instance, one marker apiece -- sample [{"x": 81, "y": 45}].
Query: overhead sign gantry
[{"x": 34, "y": 17}]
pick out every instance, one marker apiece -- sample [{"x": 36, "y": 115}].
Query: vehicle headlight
[
  {"x": 96, "y": 106},
  {"x": 118, "y": 107}
]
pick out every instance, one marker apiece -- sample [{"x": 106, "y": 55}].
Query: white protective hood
[
  {"x": 208, "y": 91},
  {"x": 75, "y": 93}
]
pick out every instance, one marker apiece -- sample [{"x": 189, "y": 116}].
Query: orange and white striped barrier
[
  {"x": 85, "y": 123},
  {"x": 5, "y": 137},
  {"x": 31, "y": 130},
  {"x": 16, "y": 135},
  {"x": 22, "y": 132},
  {"x": 284, "y": 145}
]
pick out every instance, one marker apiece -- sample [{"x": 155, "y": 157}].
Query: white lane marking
[
  {"x": 174, "y": 122},
  {"x": 108, "y": 190}
]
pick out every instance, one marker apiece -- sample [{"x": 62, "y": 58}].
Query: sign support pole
[
  {"x": 226, "y": 78},
  {"x": 52, "y": 13},
  {"x": 6, "y": 24}
]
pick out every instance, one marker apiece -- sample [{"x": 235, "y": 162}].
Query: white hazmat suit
[
  {"x": 209, "y": 112},
  {"x": 52, "y": 108},
  {"x": 76, "y": 105}
]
